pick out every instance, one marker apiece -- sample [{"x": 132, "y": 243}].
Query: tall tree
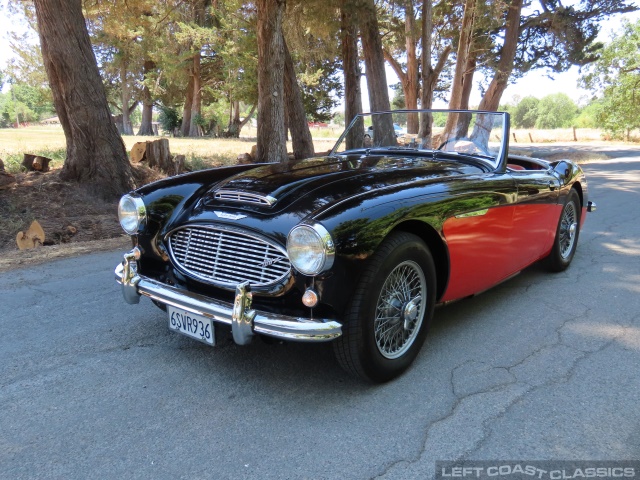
[
  {"x": 272, "y": 146},
  {"x": 430, "y": 74},
  {"x": 351, "y": 69},
  {"x": 146, "y": 125},
  {"x": 96, "y": 155},
  {"x": 294, "y": 109},
  {"x": 491, "y": 98},
  {"x": 615, "y": 78},
  {"x": 409, "y": 76},
  {"x": 375, "y": 73}
]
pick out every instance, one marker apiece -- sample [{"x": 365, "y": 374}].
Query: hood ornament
[{"x": 229, "y": 216}]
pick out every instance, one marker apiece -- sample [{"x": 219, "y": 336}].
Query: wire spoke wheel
[
  {"x": 567, "y": 233},
  {"x": 400, "y": 309},
  {"x": 388, "y": 318},
  {"x": 568, "y": 229}
]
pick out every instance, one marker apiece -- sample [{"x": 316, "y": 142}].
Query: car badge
[{"x": 229, "y": 216}]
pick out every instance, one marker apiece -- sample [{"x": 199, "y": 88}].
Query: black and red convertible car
[{"x": 356, "y": 247}]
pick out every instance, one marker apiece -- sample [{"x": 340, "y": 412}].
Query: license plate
[{"x": 192, "y": 325}]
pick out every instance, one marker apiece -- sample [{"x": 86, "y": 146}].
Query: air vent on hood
[{"x": 244, "y": 197}]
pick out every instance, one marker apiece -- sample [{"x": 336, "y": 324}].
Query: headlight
[
  {"x": 132, "y": 214},
  {"x": 310, "y": 249}
]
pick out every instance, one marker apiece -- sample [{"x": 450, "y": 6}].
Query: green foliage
[
  {"x": 439, "y": 119},
  {"x": 169, "y": 119},
  {"x": 555, "y": 111},
  {"x": 588, "y": 116},
  {"x": 525, "y": 113},
  {"x": 26, "y": 104},
  {"x": 398, "y": 103},
  {"x": 321, "y": 86},
  {"x": 615, "y": 78}
]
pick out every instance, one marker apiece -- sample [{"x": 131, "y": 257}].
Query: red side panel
[
  {"x": 534, "y": 229},
  {"x": 485, "y": 250},
  {"x": 479, "y": 251}
]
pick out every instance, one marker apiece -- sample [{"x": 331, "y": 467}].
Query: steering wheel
[{"x": 463, "y": 139}]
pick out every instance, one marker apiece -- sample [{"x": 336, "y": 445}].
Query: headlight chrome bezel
[
  {"x": 125, "y": 212},
  {"x": 324, "y": 242}
]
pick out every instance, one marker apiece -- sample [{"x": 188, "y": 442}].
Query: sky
[{"x": 536, "y": 83}]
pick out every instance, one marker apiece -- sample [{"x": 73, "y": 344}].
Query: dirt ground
[{"x": 74, "y": 220}]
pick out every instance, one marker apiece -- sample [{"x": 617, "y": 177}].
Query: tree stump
[
  {"x": 157, "y": 155},
  {"x": 244, "y": 159},
  {"x": 35, "y": 163}
]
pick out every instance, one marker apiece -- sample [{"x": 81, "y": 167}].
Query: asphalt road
[{"x": 543, "y": 366}]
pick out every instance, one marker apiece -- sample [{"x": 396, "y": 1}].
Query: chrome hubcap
[
  {"x": 400, "y": 309},
  {"x": 568, "y": 229}
]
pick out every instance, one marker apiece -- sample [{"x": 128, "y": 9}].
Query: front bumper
[{"x": 244, "y": 321}]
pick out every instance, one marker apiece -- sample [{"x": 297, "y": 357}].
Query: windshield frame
[{"x": 497, "y": 150}]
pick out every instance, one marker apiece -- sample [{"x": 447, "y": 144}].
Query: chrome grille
[
  {"x": 221, "y": 256},
  {"x": 244, "y": 197}
]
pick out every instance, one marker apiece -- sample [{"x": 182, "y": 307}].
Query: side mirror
[{"x": 562, "y": 168}]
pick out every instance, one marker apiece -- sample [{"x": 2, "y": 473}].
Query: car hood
[{"x": 310, "y": 184}]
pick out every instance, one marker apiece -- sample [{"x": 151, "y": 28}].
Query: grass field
[
  {"x": 208, "y": 152},
  {"x": 200, "y": 153}
]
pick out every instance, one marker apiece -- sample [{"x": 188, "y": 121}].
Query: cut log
[
  {"x": 35, "y": 163},
  {"x": 41, "y": 164},
  {"x": 32, "y": 238},
  {"x": 138, "y": 152}
]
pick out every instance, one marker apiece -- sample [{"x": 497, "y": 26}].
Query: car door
[
  {"x": 479, "y": 235},
  {"x": 536, "y": 215}
]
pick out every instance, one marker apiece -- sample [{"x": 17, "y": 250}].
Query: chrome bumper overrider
[{"x": 244, "y": 321}]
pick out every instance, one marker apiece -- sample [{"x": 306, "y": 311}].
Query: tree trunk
[
  {"x": 430, "y": 75},
  {"x": 196, "y": 105},
  {"x": 426, "y": 101},
  {"x": 233, "y": 129},
  {"x": 272, "y": 146},
  {"x": 127, "y": 129},
  {"x": 411, "y": 85},
  {"x": 351, "y": 69},
  {"x": 297, "y": 118},
  {"x": 376, "y": 75},
  {"x": 246, "y": 119},
  {"x": 461, "y": 78},
  {"x": 491, "y": 99},
  {"x": 146, "y": 126},
  {"x": 188, "y": 102},
  {"x": 96, "y": 155}
]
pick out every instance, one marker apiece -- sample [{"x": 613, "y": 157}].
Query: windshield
[{"x": 467, "y": 133}]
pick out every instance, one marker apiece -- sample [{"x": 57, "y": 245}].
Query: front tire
[
  {"x": 389, "y": 315},
  {"x": 567, "y": 233}
]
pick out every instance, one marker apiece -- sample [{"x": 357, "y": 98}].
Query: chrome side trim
[
  {"x": 244, "y": 321},
  {"x": 477, "y": 213}
]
